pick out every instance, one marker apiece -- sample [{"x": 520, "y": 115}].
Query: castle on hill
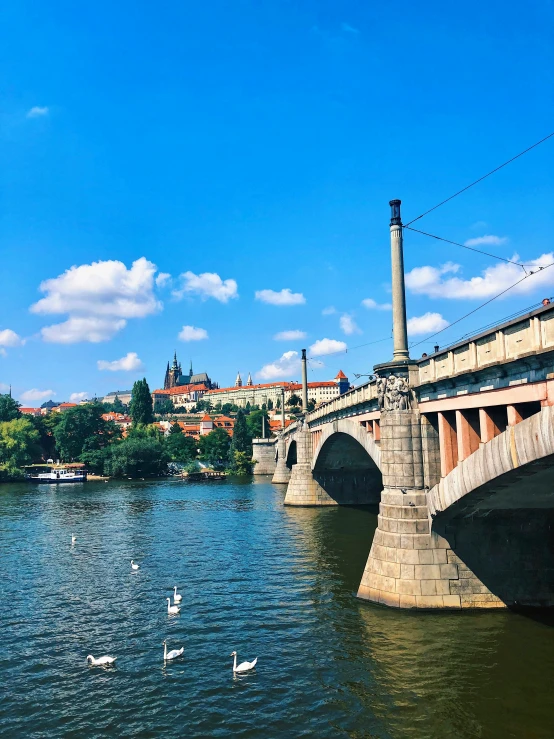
[{"x": 174, "y": 377}]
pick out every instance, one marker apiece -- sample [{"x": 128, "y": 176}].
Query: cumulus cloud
[
  {"x": 37, "y": 112},
  {"x": 294, "y": 335},
  {"x": 348, "y": 325},
  {"x": 162, "y": 279},
  {"x": 190, "y": 333},
  {"x": 427, "y": 323},
  {"x": 487, "y": 240},
  {"x": 99, "y": 298},
  {"x": 77, "y": 397},
  {"x": 10, "y": 338},
  {"x": 283, "y": 297},
  {"x": 285, "y": 367},
  {"x": 431, "y": 281},
  {"x": 129, "y": 363},
  {"x": 36, "y": 396},
  {"x": 327, "y": 346},
  {"x": 371, "y": 304},
  {"x": 329, "y": 311},
  {"x": 207, "y": 285}
]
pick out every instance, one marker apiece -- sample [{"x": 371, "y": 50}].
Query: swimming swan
[
  {"x": 244, "y": 666},
  {"x": 101, "y": 661},
  {"x": 134, "y": 566},
  {"x": 73, "y": 538},
  {"x": 172, "y": 609},
  {"x": 174, "y": 652},
  {"x": 177, "y": 598}
]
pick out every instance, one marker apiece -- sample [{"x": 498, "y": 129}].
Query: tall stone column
[
  {"x": 400, "y": 332},
  {"x": 282, "y": 472},
  {"x": 304, "y": 383},
  {"x": 302, "y": 489}
]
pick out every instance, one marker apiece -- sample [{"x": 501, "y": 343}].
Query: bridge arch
[
  {"x": 291, "y": 456},
  {"x": 496, "y": 510},
  {"x": 346, "y": 464}
]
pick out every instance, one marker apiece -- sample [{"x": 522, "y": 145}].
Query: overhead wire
[{"x": 484, "y": 177}]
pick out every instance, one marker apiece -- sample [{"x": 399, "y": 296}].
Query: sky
[{"x": 213, "y": 179}]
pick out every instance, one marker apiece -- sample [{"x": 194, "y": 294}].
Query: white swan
[
  {"x": 101, "y": 661},
  {"x": 73, "y": 538},
  {"x": 172, "y": 609},
  {"x": 177, "y": 598},
  {"x": 134, "y": 566},
  {"x": 174, "y": 652},
  {"x": 244, "y": 666}
]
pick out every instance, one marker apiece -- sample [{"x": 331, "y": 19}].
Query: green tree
[
  {"x": 163, "y": 407},
  {"x": 45, "y": 427},
  {"x": 19, "y": 445},
  {"x": 311, "y": 405},
  {"x": 135, "y": 457},
  {"x": 258, "y": 425},
  {"x": 140, "y": 407},
  {"x": 180, "y": 448},
  {"x": 9, "y": 408},
  {"x": 294, "y": 400},
  {"x": 214, "y": 448},
  {"x": 82, "y": 429},
  {"x": 242, "y": 463},
  {"x": 270, "y": 405},
  {"x": 241, "y": 446},
  {"x": 118, "y": 406},
  {"x": 278, "y": 405},
  {"x": 226, "y": 408},
  {"x": 145, "y": 431},
  {"x": 247, "y": 407}
]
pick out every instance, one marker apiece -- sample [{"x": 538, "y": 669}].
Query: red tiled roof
[
  {"x": 290, "y": 386},
  {"x": 67, "y": 405},
  {"x": 29, "y": 410},
  {"x": 206, "y": 418},
  {"x": 179, "y": 390},
  {"x": 341, "y": 376}
]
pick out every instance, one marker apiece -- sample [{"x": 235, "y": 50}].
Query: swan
[
  {"x": 73, "y": 538},
  {"x": 174, "y": 652},
  {"x": 244, "y": 666},
  {"x": 134, "y": 566},
  {"x": 177, "y": 598},
  {"x": 172, "y": 609},
  {"x": 101, "y": 661}
]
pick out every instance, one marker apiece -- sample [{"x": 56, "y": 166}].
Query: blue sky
[{"x": 259, "y": 143}]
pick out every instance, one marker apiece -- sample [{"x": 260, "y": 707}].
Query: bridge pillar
[
  {"x": 302, "y": 489},
  {"x": 281, "y": 474},
  {"x": 263, "y": 453}
]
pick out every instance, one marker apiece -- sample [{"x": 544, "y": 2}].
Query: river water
[{"x": 256, "y": 577}]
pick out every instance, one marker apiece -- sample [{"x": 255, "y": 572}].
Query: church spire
[
  {"x": 238, "y": 381},
  {"x": 191, "y": 372},
  {"x": 249, "y": 381}
]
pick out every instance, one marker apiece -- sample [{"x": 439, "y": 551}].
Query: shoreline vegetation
[{"x": 81, "y": 434}]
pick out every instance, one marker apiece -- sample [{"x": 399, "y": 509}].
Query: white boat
[{"x": 58, "y": 474}]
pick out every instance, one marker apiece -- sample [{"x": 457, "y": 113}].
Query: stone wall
[{"x": 263, "y": 452}]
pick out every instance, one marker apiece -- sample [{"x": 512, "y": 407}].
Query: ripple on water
[{"x": 267, "y": 581}]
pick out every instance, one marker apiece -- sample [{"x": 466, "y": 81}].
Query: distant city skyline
[{"x": 221, "y": 188}]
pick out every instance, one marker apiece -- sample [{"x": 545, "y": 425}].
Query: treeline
[{"x": 80, "y": 434}]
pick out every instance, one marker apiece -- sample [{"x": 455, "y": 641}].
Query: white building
[{"x": 123, "y": 395}]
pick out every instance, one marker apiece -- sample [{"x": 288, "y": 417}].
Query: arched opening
[
  {"x": 503, "y": 532},
  {"x": 347, "y": 472},
  {"x": 291, "y": 455}
]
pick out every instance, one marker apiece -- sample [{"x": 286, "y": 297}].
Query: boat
[
  {"x": 58, "y": 475},
  {"x": 205, "y": 475}
]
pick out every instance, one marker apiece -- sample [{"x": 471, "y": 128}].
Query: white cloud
[
  {"x": 10, "y": 338},
  {"x": 77, "y": 397},
  {"x": 427, "y": 323},
  {"x": 371, "y": 304},
  {"x": 283, "y": 297},
  {"x": 285, "y": 367},
  {"x": 347, "y": 28},
  {"x": 190, "y": 333},
  {"x": 99, "y": 298},
  {"x": 487, "y": 239},
  {"x": 293, "y": 335},
  {"x": 348, "y": 325},
  {"x": 162, "y": 279},
  {"x": 74, "y": 330},
  {"x": 493, "y": 280},
  {"x": 34, "y": 395},
  {"x": 37, "y": 112},
  {"x": 207, "y": 285},
  {"x": 327, "y": 346},
  {"x": 329, "y": 311},
  {"x": 129, "y": 363}
]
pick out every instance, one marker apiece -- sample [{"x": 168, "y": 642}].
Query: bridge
[{"x": 457, "y": 448}]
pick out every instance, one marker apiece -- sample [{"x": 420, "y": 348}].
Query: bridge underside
[
  {"x": 502, "y": 535},
  {"x": 346, "y": 472}
]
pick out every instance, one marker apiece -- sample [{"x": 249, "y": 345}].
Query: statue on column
[{"x": 393, "y": 393}]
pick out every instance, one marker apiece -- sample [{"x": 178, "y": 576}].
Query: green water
[{"x": 256, "y": 577}]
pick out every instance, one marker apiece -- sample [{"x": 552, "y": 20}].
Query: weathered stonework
[
  {"x": 263, "y": 453},
  {"x": 281, "y": 475},
  {"x": 302, "y": 489}
]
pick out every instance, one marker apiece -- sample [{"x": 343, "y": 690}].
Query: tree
[
  {"x": 269, "y": 405},
  {"x": 278, "y": 405},
  {"x": 9, "y": 408},
  {"x": 18, "y": 446},
  {"x": 226, "y": 408},
  {"x": 135, "y": 457},
  {"x": 140, "y": 407},
  {"x": 311, "y": 405},
  {"x": 214, "y": 448},
  {"x": 294, "y": 400},
  {"x": 258, "y": 425},
  {"x": 242, "y": 463},
  {"x": 163, "y": 407},
  {"x": 45, "y": 426},
  {"x": 82, "y": 429},
  {"x": 247, "y": 407},
  {"x": 118, "y": 406},
  {"x": 180, "y": 448},
  {"x": 241, "y": 446}
]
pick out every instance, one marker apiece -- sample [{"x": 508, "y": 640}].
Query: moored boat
[{"x": 58, "y": 475}]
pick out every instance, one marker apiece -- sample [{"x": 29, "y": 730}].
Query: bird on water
[
  {"x": 134, "y": 566},
  {"x": 101, "y": 661},
  {"x": 172, "y": 610},
  {"x": 73, "y": 538},
  {"x": 176, "y": 597},
  {"x": 174, "y": 652},
  {"x": 244, "y": 666}
]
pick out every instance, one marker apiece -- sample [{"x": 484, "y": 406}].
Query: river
[{"x": 256, "y": 577}]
